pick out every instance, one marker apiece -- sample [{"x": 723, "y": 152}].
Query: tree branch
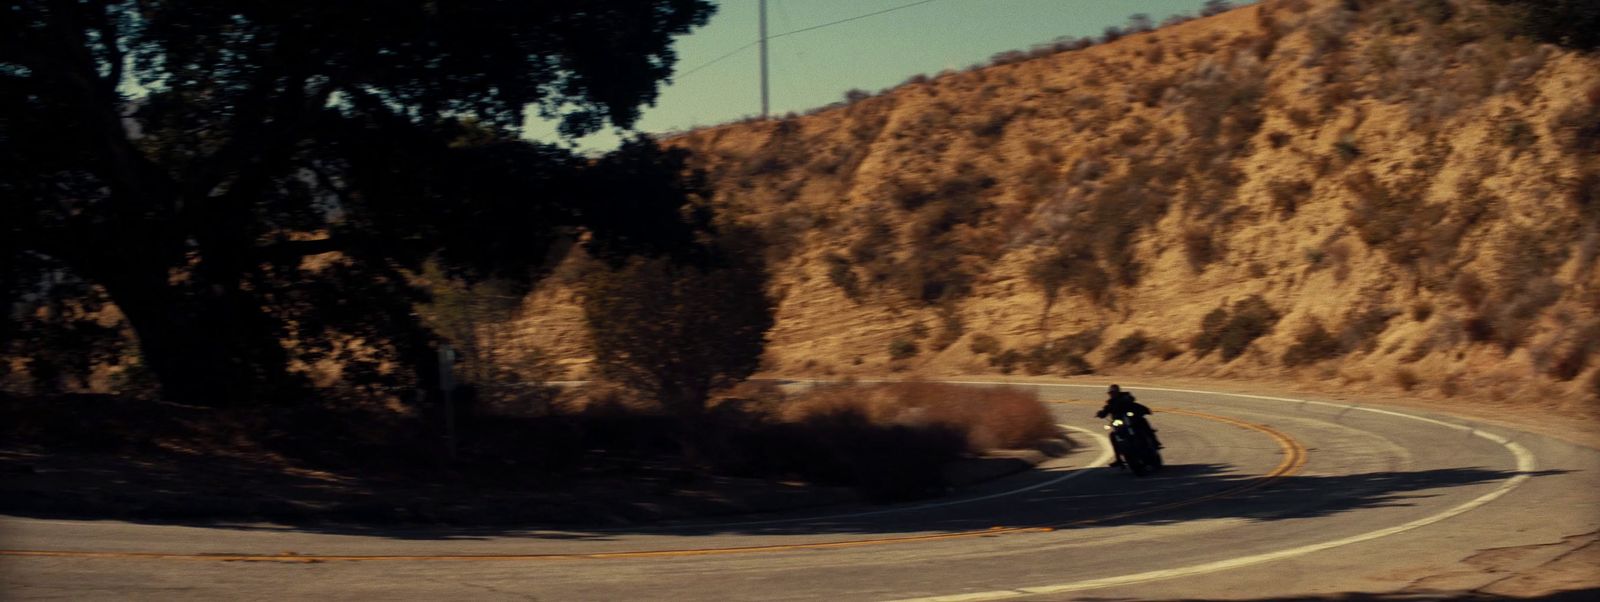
[
  {"x": 62, "y": 53},
  {"x": 108, "y": 39},
  {"x": 287, "y": 250}
]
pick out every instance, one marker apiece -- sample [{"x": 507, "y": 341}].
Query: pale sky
[{"x": 813, "y": 68}]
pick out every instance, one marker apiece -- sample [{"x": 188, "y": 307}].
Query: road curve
[{"x": 1264, "y": 498}]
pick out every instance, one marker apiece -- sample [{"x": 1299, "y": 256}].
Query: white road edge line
[{"x": 1525, "y": 465}]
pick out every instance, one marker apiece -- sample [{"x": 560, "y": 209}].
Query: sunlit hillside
[{"x": 1403, "y": 196}]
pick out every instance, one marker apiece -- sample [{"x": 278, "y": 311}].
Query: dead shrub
[
  {"x": 1288, "y": 195},
  {"x": 1573, "y": 357},
  {"x": 1584, "y": 193},
  {"x": 1579, "y": 123},
  {"x": 1512, "y": 317},
  {"x": 1406, "y": 378},
  {"x": 1042, "y": 359},
  {"x": 902, "y": 348},
  {"x": 1206, "y": 341},
  {"x": 1233, "y": 332},
  {"x": 1478, "y": 329},
  {"x": 950, "y": 329},
  {"x": 842, "y": 275},
  {"x": 1361, "y": 328},
  {"x": 983, "y": 344},
  {"x": 1313, "y": 343},
  {"x": 1517, "y": 135},
  {"x": 835, "y": 439},
  {"x": 1419, "y": 350},
  {"x": 1128, "y": 348},
  {"x": 1471, "y": 289},
  {"x": 1006, "y": 361},
  {"x": 1200, "y": 248},
  {"x": 1421, "y": 311},
  {"x": 1339, "y": 255},
  {"x": 986, "y": 418},
  {"x": 1302, "y": 118}
]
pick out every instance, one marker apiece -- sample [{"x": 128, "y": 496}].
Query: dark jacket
[{"x": 1120, "y": 404}]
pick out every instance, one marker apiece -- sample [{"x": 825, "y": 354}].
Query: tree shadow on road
[
  {"x": 1101, "y": 497},
  {"x": 1572, "y": 595}
]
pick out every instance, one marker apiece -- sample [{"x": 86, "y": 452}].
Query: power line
[
  {"x": 887, "y": 10},
  {"x": 719, "y": 59},
  {"x": 801, "y": 30}
]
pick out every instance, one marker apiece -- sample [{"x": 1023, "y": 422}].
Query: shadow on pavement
[
  {"x": 1101, "y": 498},
  {"x": 1575, "y": 595}
]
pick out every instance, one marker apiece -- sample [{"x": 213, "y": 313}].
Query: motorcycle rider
[{"x": 1121, "y": 403}]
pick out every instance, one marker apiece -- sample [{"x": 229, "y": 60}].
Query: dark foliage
[
  {"x": 1571, "y": 23},
  {"x": 236, "y": 175},
  {"x": 675, "y": 329}
]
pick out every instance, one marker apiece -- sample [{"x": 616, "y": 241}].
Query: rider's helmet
[{"x": 1114, "y": 389}]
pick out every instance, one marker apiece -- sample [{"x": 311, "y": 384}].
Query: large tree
[{"x": 255, "y": 181}]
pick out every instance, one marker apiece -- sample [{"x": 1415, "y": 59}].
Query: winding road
[{"x": 1263, "y": 498}]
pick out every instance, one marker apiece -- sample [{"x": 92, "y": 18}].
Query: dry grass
[{"x": 987, "y": 418}]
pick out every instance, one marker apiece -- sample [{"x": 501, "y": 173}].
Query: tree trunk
[{"x": 212, "y": 348}]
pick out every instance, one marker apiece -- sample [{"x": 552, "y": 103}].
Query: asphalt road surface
[{"x": 1263, "y": 498}]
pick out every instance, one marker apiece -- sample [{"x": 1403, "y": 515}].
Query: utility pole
[{"x": 763, "y": 59}]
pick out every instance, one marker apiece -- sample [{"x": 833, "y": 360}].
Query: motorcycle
[{"x": 1133, "y": 445}]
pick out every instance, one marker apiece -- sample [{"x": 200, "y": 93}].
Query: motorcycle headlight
[{"x": 1116, "y": 423}]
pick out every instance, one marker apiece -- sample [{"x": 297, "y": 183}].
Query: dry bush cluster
[
  {"x": 987, "y": 418},
  {"x": 932, "y": 260},
  {"x": 1358, "y": 332},
  {"x": 1231, "y": 330},
  {"x": 1133, "y": 346},
  {"x": 888, "y": 440},
  {"x": 1063, "y": 356}
]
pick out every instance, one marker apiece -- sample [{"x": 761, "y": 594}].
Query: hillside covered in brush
[{"x": 1374, "y": 194}]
